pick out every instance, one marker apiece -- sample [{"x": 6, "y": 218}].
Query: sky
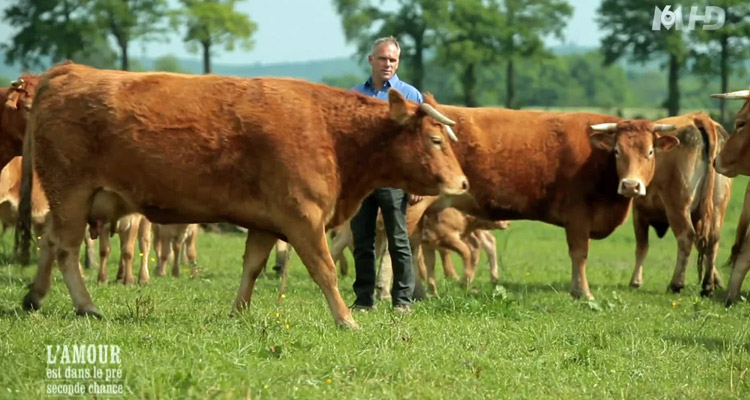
[{"x": 303, "y": 30}]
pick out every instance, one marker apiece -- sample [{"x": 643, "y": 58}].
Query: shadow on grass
[{"x": 719, "y": 345}]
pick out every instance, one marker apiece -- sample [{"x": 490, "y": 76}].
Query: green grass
[{"x": 524, "y": 339}]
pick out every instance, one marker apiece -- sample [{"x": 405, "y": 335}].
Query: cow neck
[{"x": 362, "y": 156}]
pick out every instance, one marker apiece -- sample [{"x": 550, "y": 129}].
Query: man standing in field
[{"x": 383, "y": 59}]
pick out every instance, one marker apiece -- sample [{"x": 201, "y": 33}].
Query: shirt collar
[{"x": 389, "y": 83}]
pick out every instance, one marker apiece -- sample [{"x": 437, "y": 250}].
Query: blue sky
[{"x": 301, "y": 30}]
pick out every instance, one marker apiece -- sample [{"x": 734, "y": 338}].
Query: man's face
[{"x": 384, "y": 61}]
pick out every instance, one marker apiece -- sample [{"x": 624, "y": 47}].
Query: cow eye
[
  {"x": 651, "y": 152},
  {"x": 739, "y": 124},
  {"x": 617, "y": 152},
  {"x": 436, "y": 140}
]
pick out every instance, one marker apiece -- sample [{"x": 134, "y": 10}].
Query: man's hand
[{"x": 414, "y": 199}]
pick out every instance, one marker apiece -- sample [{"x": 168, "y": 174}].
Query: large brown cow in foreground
[
  {"x": 283, "y": 158},
  {"x": 687, "y": 195},
  {"x": 733, "y": 160},
  {"x": 579, "y": 171}
]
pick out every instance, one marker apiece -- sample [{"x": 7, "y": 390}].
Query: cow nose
[
  {"x": 631, "y": 187},
  {"x": 464, "y": 184}
]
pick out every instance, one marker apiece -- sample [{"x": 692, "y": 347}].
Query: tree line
[
  {"x": 483, "y": 45},
  {"x": 49, "y": 31}
]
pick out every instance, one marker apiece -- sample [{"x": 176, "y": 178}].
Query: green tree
[
  {"x": 627, "y": 27},
  {"x": 130, "y": 20},
  {"x": 520, "y": 36},
  {"x": 49, "y": 31},
  {"x": 215, "y": 23},
  {"x": 719, "y": 52},
  {"x": 347, "y": 81},
  {"x": 469, "y": 40},
  {"x": 414, "y": 23},
  {"x": 168, "y": 63}
]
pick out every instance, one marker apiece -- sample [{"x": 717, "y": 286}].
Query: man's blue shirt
[{"x": 407, "y": 90}]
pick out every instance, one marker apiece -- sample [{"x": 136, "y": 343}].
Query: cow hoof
[
  {"x": 90, "y": 311},
  {"x": 587, "y": 296},
  {"x": 31, "y": 302},
  {"x": 635, "y": 285},
  {"x": 349, "y": 325},
  {"x": 729, "y": 303},
  {"x": 707, "y": 292},
  {"x": 675, "y": 288}
]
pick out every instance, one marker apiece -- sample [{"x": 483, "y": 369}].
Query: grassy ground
[{"x": 524, "y": 339}]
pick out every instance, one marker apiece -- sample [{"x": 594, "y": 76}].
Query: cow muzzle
[
  {"x": 722, "y": 168},
  {"x": 631, "y": 188},
  {"x": 458, "y": 187}
]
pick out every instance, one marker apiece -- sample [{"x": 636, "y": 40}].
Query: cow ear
[
  {"x": 665, "y": 143},
  {"x": 602, "y": 140},
  {"x": 398, "y": 109}
]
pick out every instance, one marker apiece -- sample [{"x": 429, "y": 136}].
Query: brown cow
[
  {"x": 579, "y": 171},
  {"x": 10, "y": 191},
  {"x": 687, "y": 195},
  {"x": 15, "y": 105},
  {"x": 169, "y": 241},
  {"x": 453, "y": 230},
  {"x": 281, "y": 157},
  {"x": 128, "y": 228},
  {"x": 733, "y": 160}
]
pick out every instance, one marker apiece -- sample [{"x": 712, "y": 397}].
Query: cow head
[
  {"x": 422, "y": 150},
  {"x": 733, "y": 159},
  {"x": 634, "y": 143},
  {"x": 17, "y": 106}
]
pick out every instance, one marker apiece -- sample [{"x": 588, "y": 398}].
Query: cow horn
[
  {"x": 664, "y": 127},
  {"x": 607, "y": 126},
  {"x": 739, "y": 95},
  {"x": 432, "y": 112},
  {"x": 450, "y": 133},
  {"x": 16, "y": 84}
]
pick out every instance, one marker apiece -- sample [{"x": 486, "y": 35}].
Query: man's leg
[
  {"x": 363, "y": 233},
  {"x": 393, "y": 203}
]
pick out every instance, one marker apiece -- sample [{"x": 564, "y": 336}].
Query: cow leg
[
  {"x": 454, "y": 242},
  {"x": 176, "y": 250},
  {"x": 68, "y": 228},
  {"x": 472, "y": 242},
  {"x": 90, "y": 255},
  {"x": 682, "y": 226},
  {"x": 708, "y": 261},
  {"x": 165, "y": 252},
  {"x": 282, "y": 257},
  {"x": 739, "y": 270},
  {"x": 257, "y": 247},
  {"x": 340, "y": 242},
  {"x": 42, "y": 282},
  {"x": 577, "y": 236},
  {"x": 127, "y": 249},
  {"x": 428, "y": 255},
  {"x": 384, "y": 279},
  {"x": 104, "y": 251},
  {"x": 312, "y": 248},
  {"x": 488, "y": 242},
  {"x": 144, "y": 238},
  {"x": 640, "y": 226},
  {"x": 192, "y": 252},
  {"x": 448, "y": 269}
]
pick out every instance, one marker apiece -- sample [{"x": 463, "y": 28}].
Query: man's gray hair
[{"x": 384, "y": 39}]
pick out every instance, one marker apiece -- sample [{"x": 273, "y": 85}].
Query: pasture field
[{"x": 523, "y": 339}]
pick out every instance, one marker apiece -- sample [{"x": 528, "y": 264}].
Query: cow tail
[
  {"x": 705, "y": 224},
  {"x": 23, "y": 237}
]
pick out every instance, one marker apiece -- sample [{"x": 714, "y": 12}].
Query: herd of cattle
[{"x": 111, "y": 151}]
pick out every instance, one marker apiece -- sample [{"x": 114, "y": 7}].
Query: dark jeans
[{"x": 392, "y": 203}]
